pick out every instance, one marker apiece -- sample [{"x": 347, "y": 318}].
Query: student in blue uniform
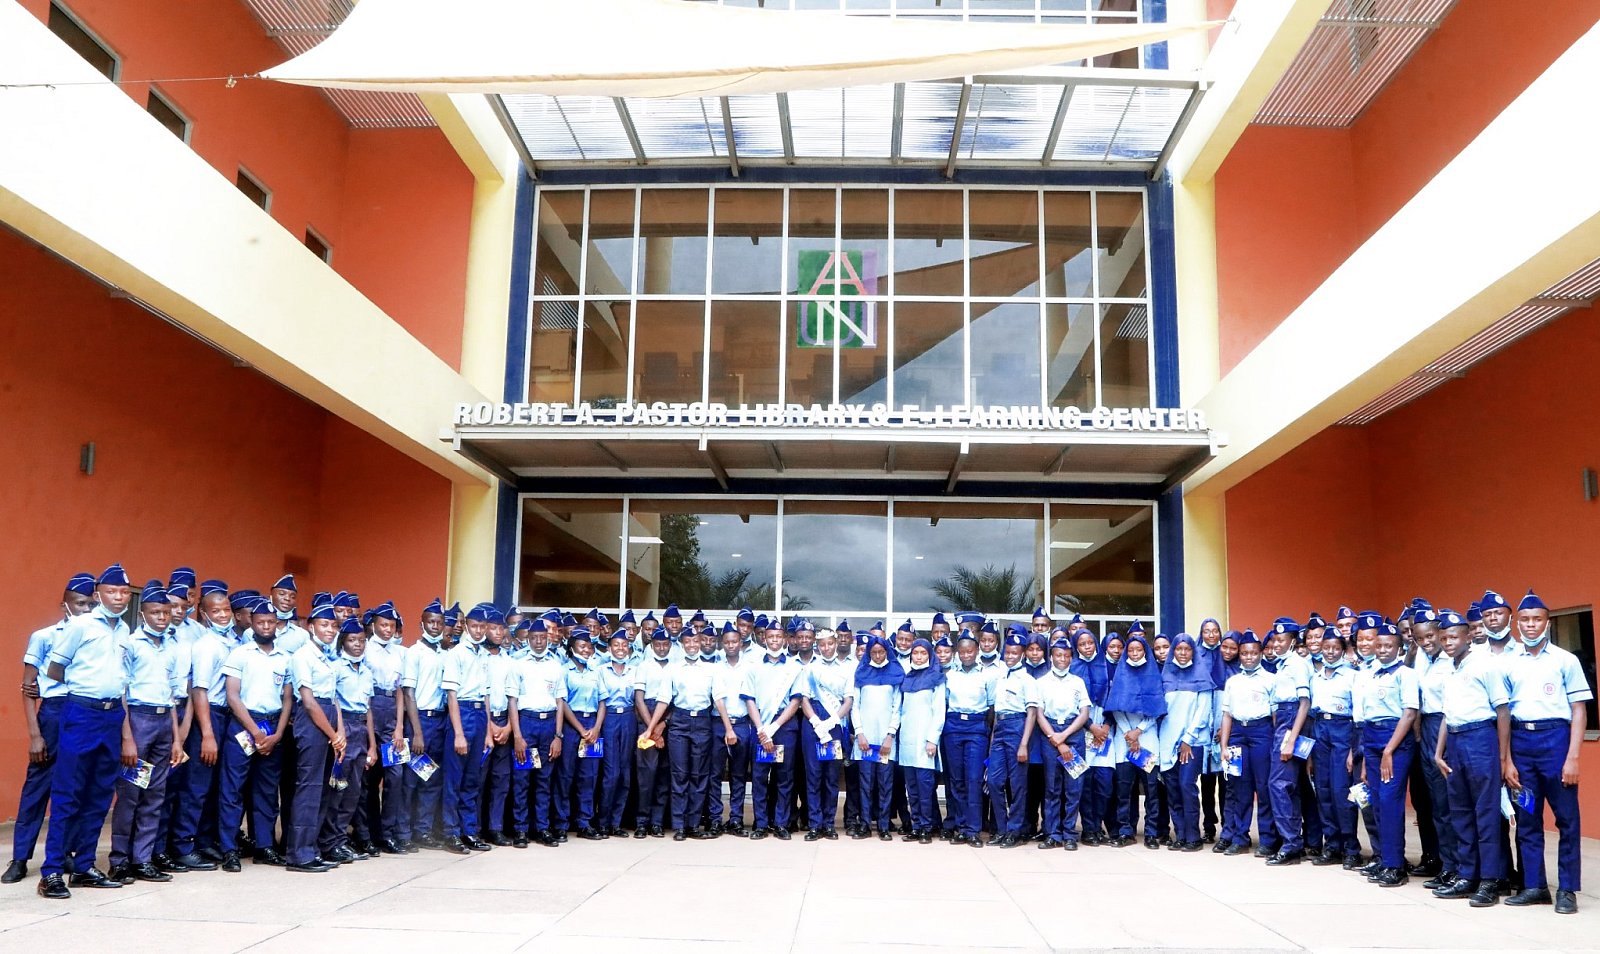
[
  {"x": 498, "y": 666},
  {"x": 735, "y": 746},
  {"x": 1064, "y": 707},
  {"x": 537, "y": 704},
  {"x": 464, "y": 678},
  {"x": 876, "y": 723},
  {"x": 1467, "y": 753},
  {"x": 1335, "y": 736},
  {"x": 319, "y": 730},
  {"x": 922, "y": 722},
  {"x": 154, "y": 686},
  {"x": 42, "y": 701},
  {"x": 969, "y": 699},
  {"x": 1184, "y": 733},
  {"x": 1289, "y": 693},
  {"x": 259, "y": 700},
  {"x": 1387, "y": 702},
  {"x": 577, "y": 773},
  {"x": 1247, "y": 725},
  {"x": 1540, "y": 732},
  {"x": 689, "y": 741},
  {"x": 1135, "y": 702},
  {"x": 652, "y": 697},
  {"x": 195, "y": 841},
  {"x": 620, "y": 730},
  {"x": 829, "y": 693},
  {"x": 1090, "y": 664},
  {"x": 772, "y": 701},
  {"x": 1434, "y": 830},
  {"x": 387, "y": 815},
  {"x": 1213, "y": 806},
  {"x": 421, "y": 679},
  {"x": 1016, "y": 702},
  {"x": 353, "y": 695}
]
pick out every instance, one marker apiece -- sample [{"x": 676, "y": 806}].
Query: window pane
[
  {"x": 811, "y": 238},
  {"x": 747, "y": 250},
  {"x": 670, "y": 338},
  {"x": 928, "y": 366},
  {"x": 78, "y": 39},
  {"x": 808, "y": 368},
  {"x": 569, "y": 552},
  {"x": 556, "y": 252},
  {"x": 610, "y": 242},
  {"x": 1005, "y": 353},
  {"x": 1067, "y": 262},
  {"x": 672, "y": 224},
  {"x": 864, "y": 228},
  {"x": 927, "y": 243},
  {"x": 1004, "y": 243},
  {"x": 1069, "y": 354},
  {"x": 959, "y": 556},
  {"x": 835, "y": 556},
  {"x": 605, "y": 352},
  {"x": 1125, "y": 356},
  {"x": 864, "y": 359},
  {"x": 555, "y": 351},
  {"x": 1102, "y": 560},
  {"x": 703, "y": 554},
  {"x": 744, "y": 351},
  {"x": 1121, "y": 244}
]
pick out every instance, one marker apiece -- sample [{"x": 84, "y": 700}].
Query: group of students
[{"x": 226, "y": 726}]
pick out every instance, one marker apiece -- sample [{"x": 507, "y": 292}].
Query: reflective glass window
[
  {"x": 958, "y": 555},
  {"x": 669, "y": 350},
  {"x": 672, "y": 233},
  {"x": 747, "y": 242}
]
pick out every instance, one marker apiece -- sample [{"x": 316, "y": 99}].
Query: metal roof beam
[
  {"x": 955, "y": 132},
  {"x": 956, "y": 467},
  {"x": 1056, "y": 124},
  {"x": 627, "y": 127},
  {"x": 897, "y": 127},
  {"x": 785, "y": 128},
  {"x": 727, "y": 133},
  {"x": 1189, "y": 107}
]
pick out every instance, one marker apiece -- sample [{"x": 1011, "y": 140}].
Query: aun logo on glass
[{"x": 834, "y": 288}]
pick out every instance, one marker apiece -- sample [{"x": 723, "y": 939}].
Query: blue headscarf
[
  {"x": 930, "y": 676},
  {"x": 1230, "y": 668},
  {"x": 1094, "y": 672},
  {"x": 1196, "y": 677},
  {"x": 1044, "y": 664},
  {"x": 1137, "y": 688},
  {"x": 1211, "y": 656},
  {"x": 888, "y": 674}
]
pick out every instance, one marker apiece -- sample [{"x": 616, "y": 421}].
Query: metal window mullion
[
  {"x": 633, "y": 295},
  {"x": 583, "y": 293},
  {"x": 1149, "y": 318},
  {"x": 705, "y": 325},
  {"x": 838, "y": 298},
  {"x": 1048, "y": 563},
  {"x": 783, "y": 300},
  {"x": 1156, "y": 516},
  {"x": 516, "y": 571},
  {"x": 622, "y": 564},
  {"x": 533, "y": 302},
  {"x": 888, "y": 561},
  {"x": 888, "y": 366},
  {"x": 777, "y": 589},
  {"x": 1094, "y": 286},
  {"x": 1044, "y": 359},
  {"x": 966, "y": 296}
]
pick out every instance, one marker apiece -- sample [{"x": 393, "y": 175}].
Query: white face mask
[
  {"x": 1184, "y": 665},
  {"x": 1141, "y": 662}
]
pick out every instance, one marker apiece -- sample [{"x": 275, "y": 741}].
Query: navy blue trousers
[
  {"x": 1438, "y": 807},
  {"x": 1335, "y": 737},
  {"x": 530, "y": 788},
  {"x": 36, "y": 784},
  {"x": 1095, "y": 802},
  {"x": 1473, "y": 794},
  {"x": 1128, "y": 779},
  {"x": 1062, "y": 791},
  {"x": 822, "y": 777},
  {"x": 463, "y": 773},
  {"x": 653, "y": 769},
  {"x": 136, "y": 817},
  {"x": 1538, "y": 754},
  {"x": 194, "y": 824},
  {"x": 424, "y": 796},
  {"x": 1283, "y": 781},
  {"x": 621, "y": 733},
  {"x": 87, "y": 766},
  {"x": 738, "y": 758},
  {"x": 1182, "y": 783},
  {"x": 1250, "y": 788},
  {"x": 920, "y": 801},
  {"x": 312, "y": 756},
  {"x": 689, "y": 752},
  {"x": 341, "y": 806},
  {"x": 575, "y": 778},
  {"x": 774, "y": 781},
  {"x": 966, "y": 742},
  {"x": 876, "y": 792},
  {"x": 238, "y": 771},
  {"x": 497, "y": 781},
  {"x": 384, "y": 814},
  {"x": 1008, "y": 778},
  {"x": 1388, "y": 798}
]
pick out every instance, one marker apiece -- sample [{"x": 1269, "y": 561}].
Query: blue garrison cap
[
  {"x": 1474, "y": 614},
  {"x": 114, "y": 575},
  {"x": 324, "y": 611},
  {"x": 626, "y": 617},
  {"x": 182, "y": 574},
  {"x": 1039, "y": 613},
  {"x": 285, "y": 582},
  {"x": 81, "y": 584},
  {"x": 747, "y": 615},
  {"x": 939, "y": 620},
  {"x": 350, "y": 626},
  {"x": 213, "y": 586},
  {"x": 154, "y": 592},
  {"x": 1493, "y": 600},
  {"x": 1531, "y": 601},
  {"x": 178, "y": 592},
  {"x": 436, "y": 606},
  {"x": 672, "y": 612},
  {"x": 1449, "y": 618},
  {"x": 243, "y": 599}
]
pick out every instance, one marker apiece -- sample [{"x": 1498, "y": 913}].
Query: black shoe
[
  {"x": 167, "y": 863},
  {"x": 95, "y": 878},
  {"x": 1123, "y": 841},
  {"x": 757, "y": 834},
  {"x": 53, "y": 887},
  {"x": 1152, "y": 842},
  {"x": 498, "y": 840},
  {"x": 1220, "y": 847},
  {"x": 266, "y": 856},
  {"x": 1441, "y": 880},
  {"x": 1192, "y": 846},
  {"x": 656, "y": 831},
  {"x": 1070, "y": 845},
  {"x": 680, "y": 835},
  {"x": 782, "y": 834},
  {"x": 342, "y": 855},
  {"x": 456, "y": 846},
  {"x": 1425, "y": 865},
  {"x": 431, "y": 843},
  {"x": 736, "y": 830},
  {"x": 700, "y": 834},
  {"x": 1487, "y": 895},
  {"x": 209, "y": 853},
  {"x": 641, "y": 832},
  {"x": 149, "y": 872},
  {"x": 927, "y": 838},
  {"x": 474, "y": 843},
  {"x": 1326, "y": 859},
  {"x": 1391, "y": 878},
  {"x": 15, "y": 872},
  {"x": 314, "y": 866},
  {"x": 589, "y": 834},
  {"x": 389, "y": 846},
  {"x": 1210, "y": 835},
  {"x": 122, "y": 873},
  {"x": 1529, "y": 896},
  {"x": 519, "y": 840},
  {"x": 859, "y": 834},
  {"x": 195, "y": 862},
  {"x": 1286, "y": 858},
  {"x": 1353, "y": 862},
  {"x": 1459, "y": 888},
  {"x": 1371, "y": 868},
  {"x": 1264, "y": 852},
  {"x": 561, "y": 836},
  {"x": 1049, "y": 843},
  {"x": 1234, "y": 849},
  {"x": 1566, "y": 902},
  {"x": 885, "y": 836},
  {"x": 814, "y": 834},
  {"x": 230, "y": 862}
]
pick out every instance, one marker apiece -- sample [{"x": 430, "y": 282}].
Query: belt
[
  {"x": 738, "y": 720},
  {"x": 965, "y": 716},
  {"x": 618, "y": 710},
  {"x": 149, "y": 710},
  {"x": 469, "y": 704},
  {"x": 321, "y": 701},
  {"x": 536, "y": 713},
  {"x": 90, "y": 702},
  {"x": 1009, "y": 716},
  {"x": 692, "y": 713},
  {"x": 1473, "y": 726},
  {"x": 358, "y": 715},
  {"x": 1247, "y": 723},
  {"x": 1539, "y": 724},
  {"x": 221, "y": 710},
  {"x": 385, "y": 693},
  {"x": 583, "y": 715},
  {"x": 497, "y": 715},
  {"x": 1280, "y": 706},
  {"x": 431, "y": 713},
  {"x": 1332, "y": 717},
  {"x": 1383, "y": 723}
]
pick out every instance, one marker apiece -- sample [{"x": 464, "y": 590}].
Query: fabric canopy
[{"x": 669, "y": 48}]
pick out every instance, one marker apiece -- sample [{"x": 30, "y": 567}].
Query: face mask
[
  {"x": 1333, "y": 661},
  {"x": 877, "y": 665},
  {"x": 349, "y": 658},
  {"x": 1059, "y": 672},
  {"x": 1365, "y": 657},
  {"x": 1184, "y": 665},
  {"x": 222, "y": 629},
  {"x": 432, "y": 640},
  {"x": 1141, "y": 662},
  {"x": 1536, "y": 640},
  {"x": 989, "y": 656},
  {"x": 285, "y": 615},
  {"x": 1250, "y": 668},
  {"x": 916, "y": 666},
  {"x": 1500, "y": 636}
]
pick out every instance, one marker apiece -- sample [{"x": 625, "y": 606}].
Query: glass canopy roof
[{"x": 1057, "y": 117}]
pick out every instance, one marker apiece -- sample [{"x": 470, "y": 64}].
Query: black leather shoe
[
  {"x": 122, "y": 873},
  {"x": 830, "y": 834},
  {"x": 1391, "y": 878},
  {"x": 389, "y": 846},
  {"x": 1353, "y": 862},
  {"x": 782, "y": 834},
  {"x": 456, "y": 846},
  {"x": 498, "y": 840},
  {"x": 95, "y": 878},
  {"x": 737, "y": 831},
  {"x": 1070, "y": 845},
  {"x": 1440, "y": 880},
  {"x": 656, "y": 831},
  {"x": 1234, "y": 849},
  {"x": 53, "y": 887},
  {"x": 474, "y": 843},
  {"x": 1217, "y": 848},
  {"x": 680, "y": 835},
  {"x": 1152, "y": 842},
  {"x": 168, "y": 863},
  {"x": 1487, "y": 895},
  {"x": 1529, "y": 896},
  {"x": 1459, "y": 888},
  {"x": 641, "y": 832},
  {"x": 1426, "y": 865},
  {"x": 701, "y": 834},
  {"x": 519, "y": 840},
  {"x": 230, "y": 861},
  {"x": 814, "y": 835},
  {"x": 314, "y": 866},
  {"x": 210, "y": 853},
  {"x": 266, "y": 856},
  {"x": 149, "y": 872},
  {"x": 885, "y": 836},
  {"x": 1264, "y": 852},
  {"x": 589, "y": 834},
  {"x": 1286, "y": 858},
  {"x": 757, "y": 834},
  {"x": 1049, "y": 843},
  {"x": 1566, "y": 902},
  {"x": 410, "y": 847},
  {"x": 15, "y": 872},
  {"x": 342, "y": 855}
]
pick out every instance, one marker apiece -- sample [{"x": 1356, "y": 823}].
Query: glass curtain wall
[{"x": 818, "y": 295}]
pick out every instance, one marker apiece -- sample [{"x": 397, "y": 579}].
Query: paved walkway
[{"x": 769, "y": 896}]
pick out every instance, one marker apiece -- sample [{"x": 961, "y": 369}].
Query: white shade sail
[{"x": 667, "y": 48}]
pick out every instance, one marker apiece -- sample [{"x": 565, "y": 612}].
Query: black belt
[
  {"x": 1280, "y": 706},
  {"x": 965, "y": 716},
  {"x": 1472, "y": 726},
  {"x": 535, "y": 713},
  {"x": 497, "y": 715},
  {"x": 618, "y": 710},
  {"x": 90, "y": 702},
  {"x": 321, "y": 701},
  {"x": 148, "y": 710},
  {"x": 469, "y": 704},
  {"x": 430, "y": 713},
  {"x": 352, "y": 715},
  {"x": 1332, "y": 717},
  {"x": 1247, "y": 723},
  {"x": 1009, "y": 716},
  {"x": 692, "y": 713},
  {"x": 221, "y": 710},
  {"x": 1539, "y": 724},
  {"x": 1383, "y": 723},
  {"x": 738, "y": 720},
  {"x": 583, "y": 715},
  {"x": 385, "y": 693}
]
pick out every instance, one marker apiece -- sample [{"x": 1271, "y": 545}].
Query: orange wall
[
  {"x": 1292, "y": 204},
  {"x": 395, "y": 205}
]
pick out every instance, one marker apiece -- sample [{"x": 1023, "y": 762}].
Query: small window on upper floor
[
  {"x": 85, "y": 44},
  {"x": 167, "y": 115},
  {"x": 254, "y": 190},
  {"x": 318, "y": 246}
]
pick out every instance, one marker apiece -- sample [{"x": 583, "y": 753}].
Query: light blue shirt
[
  {"x": 384, "y": 660},
  {"x": 310, "y": 666},
  {"x": 692, "y": 685},
  {"x": 465, "y": 671},
  {"x": 207, "y": 655},
  {"x": 354, "y": 688},
  {"x": 1124, "y": 722},
  {"x": 1431, "y": 676},
  {"x": 37, "y": 655},
  {"x": 90, "y": 650},
  {"x": 922, "y": 716},
  {"x": 261, "y": 676},
  {"x": 654, "y": 678},
  {"x": 1387, "y": 692},
  {"x": 1062, "y": 696},
  {"x": 1015, "y": 692},
  {"x": 969, "y": 691},
  {"x": 876, "y": 712},
  {"x": 291, "y": 637},
  {"x": 830, "y": 683},
  {"x": 151, "y": 670},
  {"x": 1546, "y": 685},
  {"x": 729, "y": 686},
  {"x": 583, "y": 687},
  {"x": 498, "y": 667},
  {"x": 541, "y": 682},
  {"x": 771, "y": 683},
  {"x": 1474, "y": 689},
  {"x": 423, "y": 674},
  {"x": 1292, "y": 681},
  {"x": 1331, "y": 690},
  {"x": 616, "y": 689},
  {"x": 1244, "y": 695},
  {"x": 1187, "y": 722}
]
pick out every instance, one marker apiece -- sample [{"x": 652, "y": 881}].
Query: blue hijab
[
  {"x": 1211, "y": 657},
  {"x": 1137, "y": 688},
  {"x": 1037, "y": 671},
  {"x": 1094, "y": 672},
  {"x": 930, "y": 676},
  {"x": 1231, "y": 668},
  {"x": 1196, "y": 677},
  {"x": 888, "y": 674}
]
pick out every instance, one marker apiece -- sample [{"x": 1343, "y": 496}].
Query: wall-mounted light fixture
[{"x": 86, "y": 459}]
